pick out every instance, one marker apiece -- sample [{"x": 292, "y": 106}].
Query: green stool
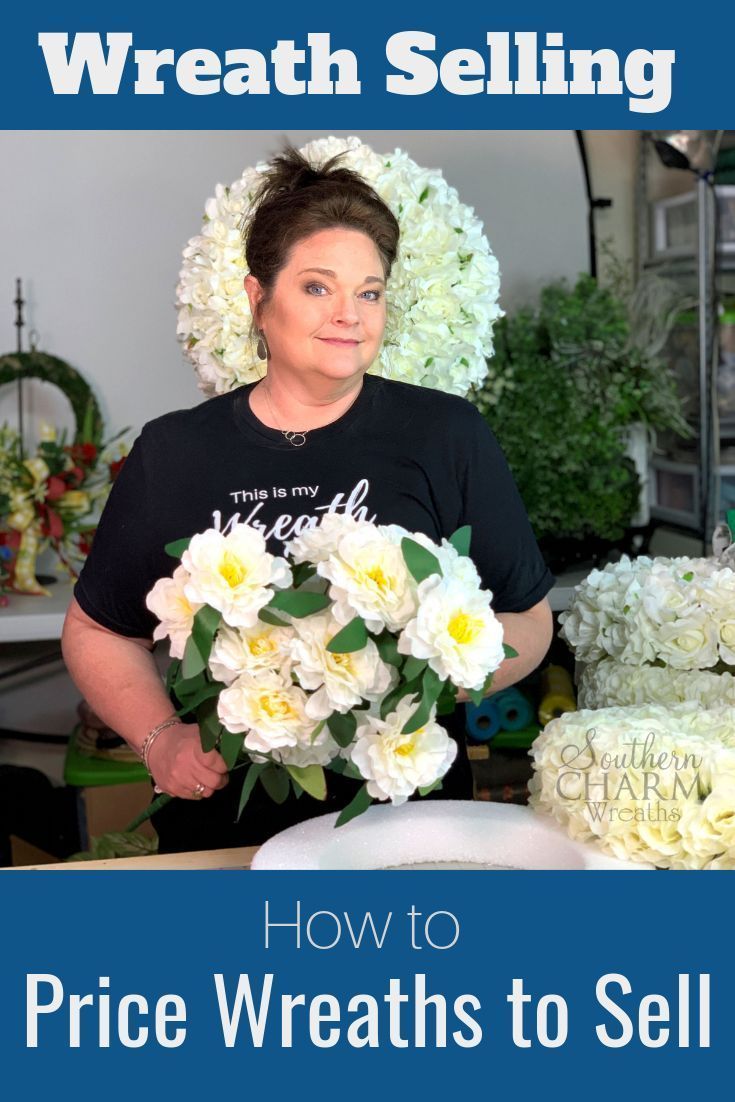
[
  {"x": 81, "y": 771},
  {"x": 90, "y": 775}
]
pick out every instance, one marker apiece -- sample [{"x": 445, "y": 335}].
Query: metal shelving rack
[{"x": 693, "y": 469}]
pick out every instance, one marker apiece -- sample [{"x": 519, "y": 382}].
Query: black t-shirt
[{"x": 401, "y": 454}]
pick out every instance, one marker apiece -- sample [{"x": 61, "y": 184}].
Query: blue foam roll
[
  {"x": 514, "y": 710},
  {"x": 483, "y": 721}
]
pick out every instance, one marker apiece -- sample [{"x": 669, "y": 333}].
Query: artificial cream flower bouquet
[
  {"x": 339, "y": 657},
  {"x": 649, "y": 784},
  {"x": 670, "y": 618}
]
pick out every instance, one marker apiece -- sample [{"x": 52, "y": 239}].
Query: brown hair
[{"x": 297, "y": 199}]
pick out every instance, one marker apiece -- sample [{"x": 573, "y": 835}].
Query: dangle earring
[{"x": 262, "y": 347}]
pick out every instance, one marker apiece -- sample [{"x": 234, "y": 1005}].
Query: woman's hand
[{"x": 181, "y": 768}]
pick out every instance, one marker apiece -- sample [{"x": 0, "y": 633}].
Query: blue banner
[
  {"x": 158, "y": 66},
  {"x": 362, "y": 985}
]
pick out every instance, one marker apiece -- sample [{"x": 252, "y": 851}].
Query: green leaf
[
  {"x": 352, "y": 637},
  {"x": 311, "y": 778},
  {"x": 424, "y": 195},
  {"x": 193, "y": 663},
  {"x": 460, "y": 540},
  {"x": 430, "y": 787},
  {"x": 317, "y": 731},
  {"x": 210, "y": 728},
  {"x": 199, "y": 644},
  {"x": 117, "y": 843},
  {"x": 351, "y": 770},
  {"x": 204, "y": 629},
  {"x": 390, "y": 702},
  {"x": 299, "y": 603},
  {"x": 387, "y": 645},
  {"x": 229, "y": 747},
  {"x": 149, "y": 811},
  {"x": 447, "y": 701},
  {"x": 248, "y": 785},
  {"x": 202, "y": 690},
  {"x": 509, "y": 651},
  {"x": 172, "y": 673},
  {"x": 296, "y": 789},
  {"x": 420, "y": 562},
  {"x": 269, "y": 617},
  {"x": 413, "y": 667},
  {"x": 276, "y": 783},
  {"x": 342, "y": 728},
  {"x": 432, "y": 686},
  {"x": 177, "y": 547},
  {"x": 302, "y": 572},
  {"x": 361, "y": 802}
]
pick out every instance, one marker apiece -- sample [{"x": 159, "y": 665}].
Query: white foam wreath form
[
  {"x": 442, "y": 296},
  {"x": 441, "y": 834}
]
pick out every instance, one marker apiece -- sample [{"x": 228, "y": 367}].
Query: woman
[{"x": 315, "y": 435}]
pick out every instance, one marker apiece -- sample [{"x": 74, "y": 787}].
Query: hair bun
[
  {"x": 296, "y": 199},
  {"x": 290, "y": 171}
]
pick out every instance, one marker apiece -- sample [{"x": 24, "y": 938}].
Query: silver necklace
[{"x": 297, "y": 439}]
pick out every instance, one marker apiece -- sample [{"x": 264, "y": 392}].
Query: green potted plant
[{"x": 568, "y": 381}]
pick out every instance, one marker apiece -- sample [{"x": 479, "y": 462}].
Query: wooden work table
[{"x": 212, "y": 859}]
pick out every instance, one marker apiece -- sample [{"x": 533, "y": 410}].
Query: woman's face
[{"x": 326, "y": 314}]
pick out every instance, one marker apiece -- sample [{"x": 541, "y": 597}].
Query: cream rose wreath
[{"x": 442, "y": 296}]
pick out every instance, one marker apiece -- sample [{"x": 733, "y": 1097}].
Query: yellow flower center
[
  {"x": 185, "y": 608},
  {"x": 231, "y": 569},
  {"x": 379, "y": 578},
  {"x": 343, "y": 660},
  {"x": 261, "y": 645},
  {"x": 464, "y": 628},
  {"x": 275, "y": 707},
  {"x": 405, "y": 749}
]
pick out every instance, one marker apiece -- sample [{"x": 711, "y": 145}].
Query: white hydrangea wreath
[{"x": 442, "y": 294}]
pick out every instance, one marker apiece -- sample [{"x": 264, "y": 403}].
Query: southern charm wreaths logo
[{"x": 637, "y": 782}]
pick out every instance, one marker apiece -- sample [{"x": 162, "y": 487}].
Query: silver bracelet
[{"x": 151, "y": 737}]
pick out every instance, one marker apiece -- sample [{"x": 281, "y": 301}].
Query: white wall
[
  {"x": 613, "y": 162},
  {"x": 94, "y": 223}
]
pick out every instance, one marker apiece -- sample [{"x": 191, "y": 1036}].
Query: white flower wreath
[
  {"x": 679, "y": 612},
  {"x": 442, "y": 295},
  {"x": 612, "y": 684},
  {"x": 653, "y": 784}
]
